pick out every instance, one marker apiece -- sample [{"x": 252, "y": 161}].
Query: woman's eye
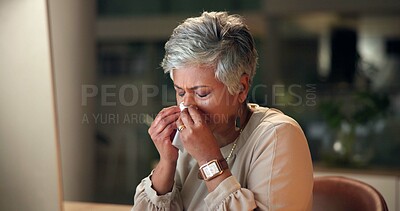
[
  {"x": 202, "y": 94},
  {"x": 181, "y": 94}
]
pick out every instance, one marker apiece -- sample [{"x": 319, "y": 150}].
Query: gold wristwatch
[{"x": 212, "y": 169}]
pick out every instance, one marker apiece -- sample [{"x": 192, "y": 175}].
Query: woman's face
[{"x": 197, "y": 85}]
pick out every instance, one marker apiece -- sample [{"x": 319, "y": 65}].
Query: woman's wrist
[
  {"x": 163, "y": 177},
  {"x": 205, "y": 158},
  {"x": 213, "y": 183},
  {"x": 168, "y": 163}
]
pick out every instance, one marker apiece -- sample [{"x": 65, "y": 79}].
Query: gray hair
[{"x": 215, "y": 39}]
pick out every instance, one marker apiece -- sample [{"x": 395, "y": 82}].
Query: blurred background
[{"x": 334, "y": 66}]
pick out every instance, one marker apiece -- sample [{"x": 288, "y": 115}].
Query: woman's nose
[{"x": 188, "y": 100}]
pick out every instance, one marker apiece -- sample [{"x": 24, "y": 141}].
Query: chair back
[{"x": 334, "y": 193}]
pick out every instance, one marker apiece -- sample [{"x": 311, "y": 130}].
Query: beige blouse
[{"x": 271, "y": 170}]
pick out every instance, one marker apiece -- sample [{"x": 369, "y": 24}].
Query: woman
[{"x": 236, "y": 156}]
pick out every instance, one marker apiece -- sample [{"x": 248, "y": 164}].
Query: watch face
[{"x": 211, "y": 169}]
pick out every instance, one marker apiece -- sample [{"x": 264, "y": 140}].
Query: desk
[{"x": 88, "y": 206}]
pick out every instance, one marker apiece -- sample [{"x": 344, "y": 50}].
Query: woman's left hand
[{"x": 196, "y": 137}]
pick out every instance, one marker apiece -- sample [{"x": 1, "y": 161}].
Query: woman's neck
[{"x": 230, "y": 134}]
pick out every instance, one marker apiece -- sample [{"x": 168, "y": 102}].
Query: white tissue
[{"x": 177, "y": 141}]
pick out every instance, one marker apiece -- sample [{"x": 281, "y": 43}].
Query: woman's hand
[
  {"x": 196, "y": 137},
  {"x": 161, "y": 132}
]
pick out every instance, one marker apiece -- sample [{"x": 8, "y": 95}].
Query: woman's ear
[{"x": 244, "y": 87}]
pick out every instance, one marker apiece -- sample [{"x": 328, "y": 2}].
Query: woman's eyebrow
[{"x": 192, "y": 88}]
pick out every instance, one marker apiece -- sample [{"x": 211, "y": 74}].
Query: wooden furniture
[
  {"x": 386, "y": 181},
  {"x": 343, "y": 193}
]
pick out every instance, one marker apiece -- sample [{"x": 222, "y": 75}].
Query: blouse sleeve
[
  {"x": 279, "y": 178},
  {"x": 146, "y": 198},
  {"x": 230, "y": 196}
]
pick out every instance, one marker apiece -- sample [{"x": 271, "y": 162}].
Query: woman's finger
[
  {"x": 160, "y": 125},
  {"x": 179, "y": 123},
  {"x": 186, "y": 118},
  {"x": 164, "y": 118},
  {"x": 195, "y": 115},
  {"x": 165, "y": 112},
  {"x": 164, "y": 135}
]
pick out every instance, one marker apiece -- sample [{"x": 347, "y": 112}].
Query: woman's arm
[
  {"x": 163, "y": 177},
  {"x": 157, "y": 191},
  {"x": 279, "y": 175}
]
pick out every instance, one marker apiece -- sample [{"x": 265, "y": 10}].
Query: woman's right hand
[{"x": 161, "y": 132}]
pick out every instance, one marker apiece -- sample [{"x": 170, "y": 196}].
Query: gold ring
[{"x": 181, "y": 127}]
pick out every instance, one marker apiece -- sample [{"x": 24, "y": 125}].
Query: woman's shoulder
[
  {"x": 264, "y": 117},
  {"x": 270, "y": 125}
]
